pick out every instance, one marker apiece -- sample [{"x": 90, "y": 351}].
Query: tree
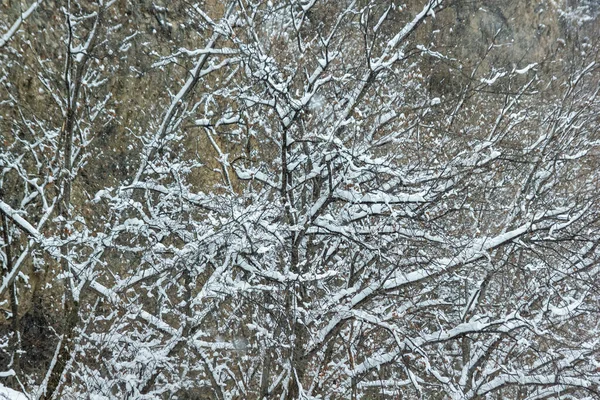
[
  {"x": 46, "y": 146},
  {"x": 327, "y": 205}
]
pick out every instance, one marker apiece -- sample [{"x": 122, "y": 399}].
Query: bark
[{"x": 14, "y": 307}]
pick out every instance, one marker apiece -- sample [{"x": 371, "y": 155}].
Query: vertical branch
[
  {"x": 222, "y": 157},
  {"x": 73, "y": 81},
  {"x": 14, "y": 306}
]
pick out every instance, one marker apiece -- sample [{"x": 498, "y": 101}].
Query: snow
[
  {"x": 202, "y": 122},
  {"x": 526, "y": 69},
  {"x": 15, "y": 27},
  {"x": 10, "y": 394},
  {"x": 568, "y": 309},
  {"x": 24, "y": 224},
  {"x": 379, "y": 197},
  {"x": 493, "y": 80},
  {"x": 392, "y": 239}
]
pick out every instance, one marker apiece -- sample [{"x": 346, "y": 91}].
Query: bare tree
[{"x": 324, "y": 203}]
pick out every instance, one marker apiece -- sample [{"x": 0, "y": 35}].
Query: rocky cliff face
[
  {"x": 506, "y": 35},
  {"x": 518, "y": 32}
]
